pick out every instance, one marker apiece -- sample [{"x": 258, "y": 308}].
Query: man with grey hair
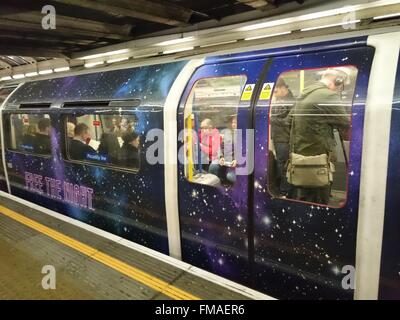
[{"x": 316, "y": 114}]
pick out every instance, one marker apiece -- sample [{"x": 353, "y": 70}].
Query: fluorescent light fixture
[
  {"x": 146, "y": 55},
  {"x": 31, "y": 74},
  {"x": 5, "y": 78},
  {"x": 48, "y": 71},
  {"x": 117, "y": 60},
  {"x": 93, "y": 64},
  {"x": 387, "y": 16},
  {"x": 177, "y": 50},
  {"x": 331, "y": 25},
  {"x": 18, "y": 76},
  {"x": 62, "y": 69},
  {"x": 175, "y": 41},
  {"x": 268, "y": 35},
  {"x": 217, "y": 44},
  {"x": 305, "y": 17},
  {"x": 105, "y": 54}
]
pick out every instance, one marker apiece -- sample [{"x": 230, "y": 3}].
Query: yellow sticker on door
[
  {"x": 266, "y": 91},
  {"x": 247, "y": 92}
]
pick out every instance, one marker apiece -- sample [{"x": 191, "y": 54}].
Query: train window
[
  {"x": 30, "y": 133},
  {"x": 210, "y": 130},
  {"x": 309, "y": 136},
  {"x": 109, "y": 140}
]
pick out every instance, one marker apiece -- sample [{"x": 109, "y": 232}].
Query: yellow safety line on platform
[{"x": 122, "y": 267}]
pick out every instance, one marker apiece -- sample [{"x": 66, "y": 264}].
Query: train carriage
[{"x": 234, "y": 223}]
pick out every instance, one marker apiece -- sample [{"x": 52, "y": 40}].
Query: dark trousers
[
  {"x": 314, "y": 195},
  {"x": 282, "y": 156}
]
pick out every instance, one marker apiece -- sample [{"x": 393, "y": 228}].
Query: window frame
[
  {"x": 8, "y": 128},
  {"x": 65, "y": 148},
  {"x": 271, "y": 194},
  {"x": 245, "y": 76}
]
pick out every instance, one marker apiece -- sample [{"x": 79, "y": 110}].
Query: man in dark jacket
[
  {"x": 78, "y": 149},
  {"x": 41, "y": 141},
  {"x": 130, "y": 150},
  {"x": 316, "y": 114},
  {"x": 281, "y": 106}
]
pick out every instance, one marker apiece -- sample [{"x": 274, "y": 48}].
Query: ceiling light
[
  {"x": 93, "y": 64},
  {"x": 62, "y": 69},
  {"x": 331, "y": 25},
  {"x": 305, "y": 17},
  {"x": 31, "y": 74},
  {"x": 18, "y": 76},
  {"x": 217, "y": 44},
  {"x": 387, "y": 16},
  {"x": 175, "y": 41},
  {"x": 5, "y": 78},
  {"x": 268, "y": 35},
  {"x": 105, "y": 54},
  {"x": 177, "y": 50},
  {"x": 48, "y": 71},
  {"x": 146, "y": 55},
  {"x": 117, "y": 60}
]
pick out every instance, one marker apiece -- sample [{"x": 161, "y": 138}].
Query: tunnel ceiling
[{"x": 83, "y": 25}]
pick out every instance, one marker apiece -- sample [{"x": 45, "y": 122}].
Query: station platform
[{"x": 92, "y": 264}]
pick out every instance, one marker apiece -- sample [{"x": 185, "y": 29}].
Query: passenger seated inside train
[
  {"x": 78, "y": 148},
  {"x": 224, "y": 166},
  {"x": 129, "y": 155},
  {"x": 41, "y": 141},
  {"x": 28, "y": 138},
  {"x": 210, "y": 142}
]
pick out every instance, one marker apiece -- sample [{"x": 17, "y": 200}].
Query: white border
[
  {"x": 228, "y": 284},
  {"x": 171, "y": 155},
  {"x": 3, "y": 151},
  {"x": 374, "y": 165}
]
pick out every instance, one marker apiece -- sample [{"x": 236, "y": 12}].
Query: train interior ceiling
[{"x": 227, "y": 134}]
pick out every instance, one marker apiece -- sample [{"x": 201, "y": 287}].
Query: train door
[
  {"x": 311, "y": 104},
  {"x": 214, "y": 116}
]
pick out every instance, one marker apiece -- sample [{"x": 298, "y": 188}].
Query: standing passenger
[
  {"x": 130, "y": 150},
  {"x": 280, "y": 131},
  {"x": 315, "y": 115},
  {"x": 42, "y": 143}
]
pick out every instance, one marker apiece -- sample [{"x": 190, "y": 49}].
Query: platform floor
[{"x": 88, "y": 266}]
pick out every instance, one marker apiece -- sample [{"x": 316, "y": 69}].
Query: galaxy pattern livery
[
  {"x": 288, "y": 249},
  {"x": 150, "y": 84},
  {"x": 127, "y": 203}
]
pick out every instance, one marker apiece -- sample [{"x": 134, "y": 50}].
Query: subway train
[{"x": 62, "y": 140}]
